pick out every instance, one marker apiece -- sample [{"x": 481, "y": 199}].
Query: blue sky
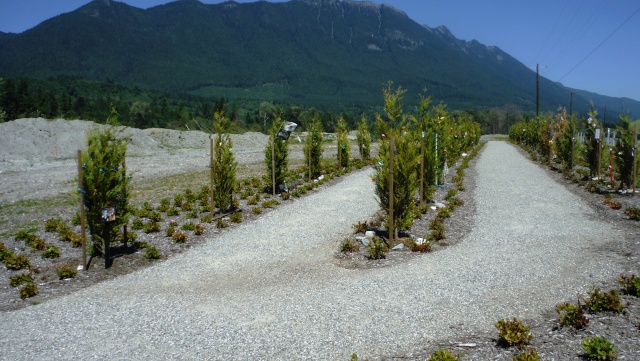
[{"x": 586, "y": 44}]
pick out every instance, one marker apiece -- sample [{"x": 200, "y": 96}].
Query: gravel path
[{"x": 270, "y": 290}]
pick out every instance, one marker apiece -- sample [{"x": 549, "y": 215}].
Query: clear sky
[{"x": 592, "y": 45}]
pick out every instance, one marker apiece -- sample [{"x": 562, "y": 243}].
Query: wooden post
[
  {"x": 339, "y": 152},
  {"x": 124, "y": 174},
  {"x": 611, "y": 166},
  {"x": 391, "y": 151},
  {"x": 310, "y": 144},
  {"x": 422, "y": 170},
  {"x": 273, "y": 164},
  {"x": 635, "y": 150},
  {"x": 83, "y": 232},
  {"x": 211, "y": 175}
]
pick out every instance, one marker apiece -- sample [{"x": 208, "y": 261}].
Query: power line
[{"x": 599, "y": 45}]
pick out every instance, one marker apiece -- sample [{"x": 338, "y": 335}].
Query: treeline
[{"x": 72, "y": 97}]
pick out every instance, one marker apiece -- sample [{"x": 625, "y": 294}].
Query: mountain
[{"x": 323, "y": 53}]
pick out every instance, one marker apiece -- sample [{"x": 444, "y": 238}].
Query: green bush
[
  {"x": 513, "y": 333},
  {"x": 189, "y": 226},
  {"x": 529, "y": 355},
  {"x": 236, "y": 217},
  {"x": 152, "y": 253},
  {"x": 72, "y": 237},
  {"x": 17, "y": 262},
  {"x": 173, "y": 211},
  {"x": 192, "y": 215},
  {"x": 444, "y": 355},
  {"x": 270, "y": 203},
  {"x": 603, "y": 302},
  {"x": 137, "y": 224},
  {"x": 599, "y": 348},
  {"x": 152, "y": 227},
  {"x": 360, "y": 227},
  {"x": 179, "y": 237},
  {"x": 349, "y": 246},
  {"x": 221, "y": 223},
  {"x": 630, "y": 285},
  {"x": 633, "y": 213},
  {"x": 424, "y": 247},
  {"x": 155, "y": 216},
  {"x": 19, "y": 279},
  {"x": 444, "y": 212},
  {"x": 65, "y": 272},
  {"x": 37, "y": 243},
  {"x": 29, "y": 290},
  {"x": 51, "y": 251},
  {"x": 199, "y": 230},
  {"x": 377, "y": 249},
  {"x": 4, "y": 252},
  {"x": 207, "y": 218},
  {"x": 170, "y": 231},
  {"x": 572, "y": 315},
  {"x": 256, "y": 210},
  {"x": 53, "y": 224}
]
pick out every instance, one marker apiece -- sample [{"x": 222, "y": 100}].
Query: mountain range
[{"x": 332, "y": 54}]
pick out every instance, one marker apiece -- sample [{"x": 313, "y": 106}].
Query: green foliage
[
  {"x": 270, "y": 203},
  {"x": 199, "y": 230},
  {"x": 363, "y": 136},
  {"x": 189, "y": 226},
  {"x": 256, "y": 210},
  {"x": 360, "y": 227},
  {"x": 51, "y": 251},
  {"x": 104, "y": 182},
  {"x": 444, "y": 212},
  {"x": 572, "y": 315},
  {"x": 207, "y": 218},
  {"x": 173, "y": 211},
  {"x": 344, "y": 148},
  {"x": 221, "y": 223},
  {"x": 625, "y": 144},
  {"x": 529, "y": 355},
  {"x": 66, "y": 271},
  {"x": 37, "y": 243},
  {"x": 29, "y": 290},
  {"x": 179, "y": 237},
  {"x": 599, "y": 348},
  {"x": 603, "y": 302},
  {"x": 377, "y": 249},
  {"x": 224, "y": 165},
  {"x": 313, "y": 148},
  {"x": 424, "y": 247},
  {"x": 53, "y": 225},
  {"x": 20, "y": 278},
  {"x": 137, "y": 224},
  {"x": 630, "y": 285},
  {"x": 348, "y": 246},
  {"x": 152, "y": 253},
  {"x": 236, "y": 217},
  {"x": 152, "y": 227},
  {"x": 170, "y": 231},
  {"x": 280, "y": 157},
  {"x": 591, "y": 143},
  {"x": 566, "y": 143},
  {"x": 444, "y": 355},
  {"x": 4, "y": 252},
  {"x": 513, "y": 333},
  {"x": 17, "y": 262}
]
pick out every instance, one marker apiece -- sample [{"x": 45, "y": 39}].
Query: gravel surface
[{"x": 270, "y": 290}]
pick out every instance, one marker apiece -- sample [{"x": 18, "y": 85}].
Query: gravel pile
[{"x": 270, "y": 290}]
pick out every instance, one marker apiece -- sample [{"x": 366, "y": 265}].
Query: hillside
[{"x": 325, "y": 53}]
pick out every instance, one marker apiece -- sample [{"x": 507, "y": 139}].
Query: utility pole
[{"x": 537, "y": 91}]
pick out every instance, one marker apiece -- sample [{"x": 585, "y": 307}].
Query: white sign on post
[{"x": 598, "y": 134}]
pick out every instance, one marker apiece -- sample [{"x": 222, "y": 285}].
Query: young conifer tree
[
  {"x": 424, "y": 125},
  {"x": 104, "y": 183},
  {"x": 280, "y": 159},
  {"x": 624, "y": 151},
  {"x": 364, "y": 139},
  {"x": 591, "y": 143},
  {"x": 313, "y": 147},
  {"x": 224, "y": 164},
  {"x": 343, "y": 143}
]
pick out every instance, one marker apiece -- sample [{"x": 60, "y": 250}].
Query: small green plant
[
  {"x": 187, "y": 206},
  {"x": 51, "y": 251},
  {"x": 633, "y": 213},
  {"x": 513, "y": 333},
  {"x": 377, "y": 249},
  {"x": 529, "y": 355},
  {"x": 189, "y": 226},
  {"x": 221, "y": 223},
  {"x": 207, "y": 218},
  {"x": 152, "y": 253},
  {"x": 22, "y": 236},
  {"x": 20, "y": 279},
  {"x": 52, "y": 224},
  {"x": 29, "y": 290},
  {"x": 76, "y": 219},
  {"x": 178, "y": 199},
  {"x": 66, "y": 271},
  {"x": 236, "y": 217},
  {"x": 256, "y": 210},
  {"x": 349, "y": 246},
  {"x": 70, "y": 236},
  {"x": 270, "y": 203},
  {"x": 199, "y": 230},
  {"x": 17, "y": 262},
  {"x": 360, "y": 227},
  {"x": 444, "y": 212},
  {"x": 37, "y": 243},
  {"x": 4, "y": 252},
  {"x": 137, "y": 224},
  {"x": 170, "y": 230},
  {"x": 603, "y": 302},
  {"x": 179, "y": 237},
  {"x": 444, "y": 355},
  {"x": 424, "y": 247},
  {"x": 152, "y": 227},
  {"x": 192, "y": 215},
  {"x": 630, "y": 285},
  {"x": 155, "y": 216},
  {"x": 173, "y": 211},
  {"x": 599, "y": 348},
  {"x": 572, "y": 315}
]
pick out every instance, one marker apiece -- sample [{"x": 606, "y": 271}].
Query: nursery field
[{"x": 278, "y": 283}]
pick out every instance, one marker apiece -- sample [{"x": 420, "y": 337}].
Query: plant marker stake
[
  {"x": 273, "y": 164},
  {"x": 211, "y": 174},
  {"x": 436, "y": 160},
  {"x": 82, "y": 222},
  {"x": 635, "y": 150},
  {"x": 391, "y": 151},
  {"x": 124, "y": 177}
]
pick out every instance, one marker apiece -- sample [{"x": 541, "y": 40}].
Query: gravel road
[{"x": 270, "y": 291}]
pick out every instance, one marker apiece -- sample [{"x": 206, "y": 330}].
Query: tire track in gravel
[{"x": 270, "y": 291}]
